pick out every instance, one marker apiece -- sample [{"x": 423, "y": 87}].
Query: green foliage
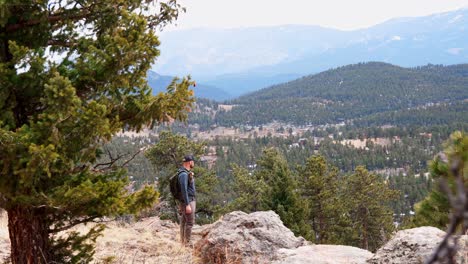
[
  {"x": 281, "y": 195},
  {"x": 272, "y": 187},
  {"x": 409, "y": 151},
  {"x": 130, "y": 150},
  {"x": 56, "y": 114},
  {"x": 448, "y": 113},
  {"x": 413, "y": 189},
  {"x": 432, "y": 211},
  {"x": 320, "y": 187},
  {"x": 435, "y": 208},
  {"x": 208, "y": 203},
  {"x": 367, "y": 199},
  {"x": 317, "y": 203},
  {"x": 249, "y": 189}
]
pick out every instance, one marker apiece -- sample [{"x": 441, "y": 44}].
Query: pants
[{"x": 186, "y": 222}]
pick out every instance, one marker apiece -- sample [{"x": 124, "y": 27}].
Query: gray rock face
[
  {"x": 415, "y": 246},
  {"x": 323, "y": 254},
  {"x": 246, "y": 238}
]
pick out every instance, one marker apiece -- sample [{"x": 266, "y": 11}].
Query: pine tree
[
  {"x": 432, "y": 211},
  {"x": 435, "y": 208},
  {"x": 72, "y": 74},
  {"x": 250, "y": 189},
  {"x": 282, "y": 195},
  {"x": 452, "y": 167},
  {"x": 367, "y": 199},
  {"x": 319, "y": 187}
]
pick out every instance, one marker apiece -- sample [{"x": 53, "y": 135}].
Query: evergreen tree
[
  {"x": 319, "y": 187},
  {"x": 452, "y": 170},
  {"x": 250, "y": 189},
  {"x": 367, "y": 197},
  {"x": 281, "y": 195},
  {"x": 72, "y": 74},
  {"x": 432, "y": 211},
  {"x": 435, "y": 208}
]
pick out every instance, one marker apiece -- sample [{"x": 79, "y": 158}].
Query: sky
[{"x": 338, "y": 14}]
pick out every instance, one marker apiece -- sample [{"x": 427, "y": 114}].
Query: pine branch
[
  {"x": 113, "y": 160},
  {"x": 74, "y": 223},
  {"x": 54, "y": 42},
  {"x": 111, "y": 163},
  {"x": 51, "y": 19},
  {"x": 133, "y": 156}
]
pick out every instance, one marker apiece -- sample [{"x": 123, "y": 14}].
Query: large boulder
[
  {"x": 323, "y": 254},
  {"x": 415, "y": 246},
  {"x": 246, "y": 238}
]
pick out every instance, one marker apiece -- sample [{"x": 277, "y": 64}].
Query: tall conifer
[{"x": 73, "y": 74}]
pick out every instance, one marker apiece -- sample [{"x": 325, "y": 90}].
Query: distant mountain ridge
[
  {"x": 353, "y": 92},
  {"x": 246, "y": 59},
  {"x": 159, "y": 83}
]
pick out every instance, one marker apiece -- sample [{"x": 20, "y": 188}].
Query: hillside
[
  {"x": 159, "y": 83},
  {"x": 356, "y": 91}
]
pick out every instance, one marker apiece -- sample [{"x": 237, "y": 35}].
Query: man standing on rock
[{"x": 187, "y": 202}]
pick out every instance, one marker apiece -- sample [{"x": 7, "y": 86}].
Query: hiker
[{"x": 187, "y": 201}]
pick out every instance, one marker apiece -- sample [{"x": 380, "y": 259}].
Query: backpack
[{"x": 174, "y": 186}]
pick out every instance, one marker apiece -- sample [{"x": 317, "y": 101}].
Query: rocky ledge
[{"x": 261, "y": 237}]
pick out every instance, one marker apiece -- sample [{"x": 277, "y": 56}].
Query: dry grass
[
  {"x": 221, "y": 255},
  {"x": 149, "y": 241}
]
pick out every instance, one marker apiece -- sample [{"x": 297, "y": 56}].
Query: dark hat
[{"x": 188, "y": 158}]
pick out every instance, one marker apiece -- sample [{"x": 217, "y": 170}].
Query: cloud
[{"x": 454, "y": 51}]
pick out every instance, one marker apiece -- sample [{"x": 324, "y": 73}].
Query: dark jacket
[{"x": 187, "y": 186}]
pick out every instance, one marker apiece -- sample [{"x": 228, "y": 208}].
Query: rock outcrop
[
  {"x": 323, "y": 254},
  {"x": 415, "y": 246},
  {"x": 246, "y": 238},
  {"x": 261, "y": 237}
]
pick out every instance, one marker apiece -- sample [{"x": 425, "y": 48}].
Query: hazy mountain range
[{"x": 241, "y": 60}]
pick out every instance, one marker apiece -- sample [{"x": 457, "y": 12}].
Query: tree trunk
[
  {"x": 365, "y": 239},
  {"x": 28, "y": 235}
]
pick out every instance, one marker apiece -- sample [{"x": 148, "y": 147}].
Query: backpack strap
[{"x": 184, "y": 170}]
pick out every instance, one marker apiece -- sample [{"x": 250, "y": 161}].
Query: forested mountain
[{"x": 358, "y": 92}]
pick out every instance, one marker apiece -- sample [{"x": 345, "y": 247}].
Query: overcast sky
[{"x": 340, "y": 14}]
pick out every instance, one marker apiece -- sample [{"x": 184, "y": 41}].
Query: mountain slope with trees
[
  {"x": 352, "y": 92},
  {"x": 159, "y": 83}
]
